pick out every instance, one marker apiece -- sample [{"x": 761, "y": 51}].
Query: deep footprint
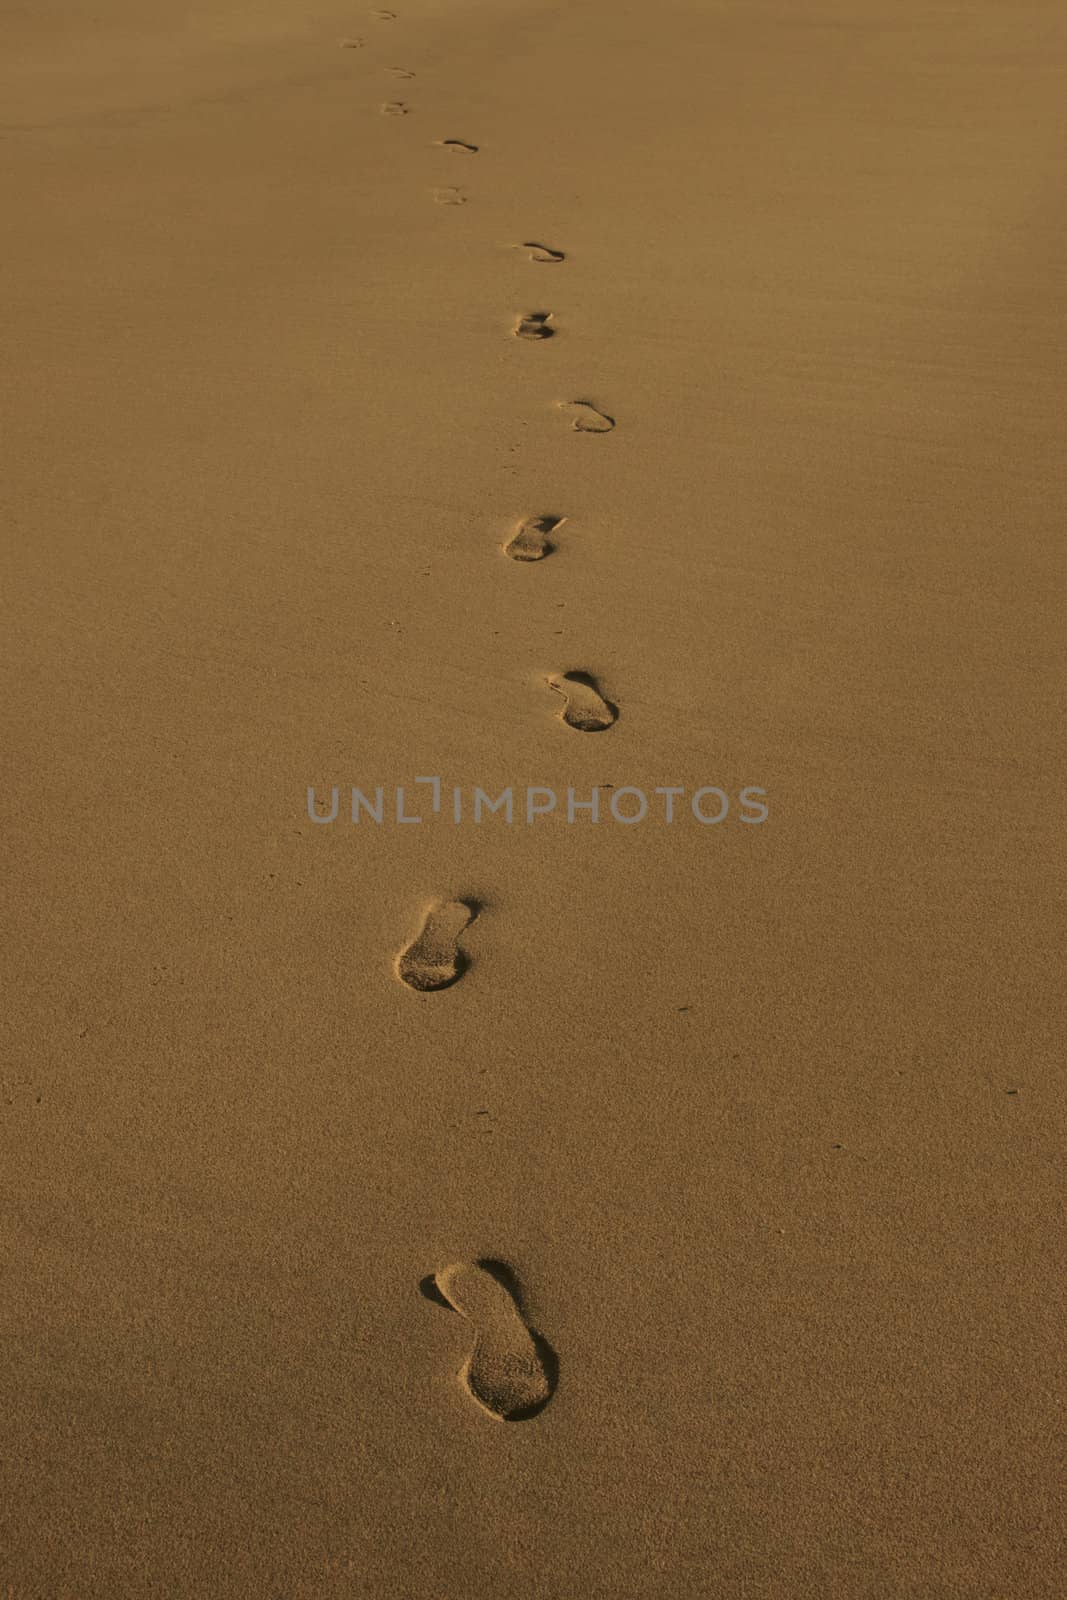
[
  {"x": 510, "y": 1372},
  {"x": 585, "y": 418},
  {"x": 433, "y": 959},
  {"x": 458, "y": 147},
  {"x": 585, "y": 709},
  {"x": 450, "y": 197},
  {"x": 534, "y": 325},
  {"x": 542, "y": 252},
  {"x": 394, "y": 108},
  {"x": 530, "y": 541}
]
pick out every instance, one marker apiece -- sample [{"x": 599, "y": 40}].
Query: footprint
[
  {"x": 450, "y": 197},
  {"x": 400, "y": 72},
  {"x": 352, "y": 44},
  {"x": 458, "y": 146},
  {"x": 585, "y": 708},
  {"x": 534, "y": 325},
  {"x": 433, "y": 959},
  {"x": 530, "y": 541},
  {"x": 541, "y": 252},
  {"x": 585, "y": 418},
  {"x": 385, "y": 16},
  {"x": 511, "y": 1371},
  {"x": 394, "y": 108}
]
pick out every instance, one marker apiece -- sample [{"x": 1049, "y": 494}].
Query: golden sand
[{"x": 755, "y": 1123}]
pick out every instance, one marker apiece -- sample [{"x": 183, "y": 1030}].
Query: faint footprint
[
  {"x": 394, "y": 108},
  {"x": 450, "y": 197},
  {"x": 458, "y": 147},
  {"x": 530, "y": 541},
  {"x": 433, "y": 959},
  {"x": 511, "y": 1372},
  {"x": 385, "y": 16},
  {"x": 585, "y": 418},
  {"x": 541, "y": 252},
  {"x": 400, "y": 72},
  {"x": 352, "y": 44},
  {"x": 585, "y": 708},
  {"x": 534, "y": 325}
]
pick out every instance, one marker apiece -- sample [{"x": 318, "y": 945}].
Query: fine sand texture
[{"x": 533, "y": 394}]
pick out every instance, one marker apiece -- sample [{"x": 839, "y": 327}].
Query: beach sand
[{"x": 759, "y": 1122}]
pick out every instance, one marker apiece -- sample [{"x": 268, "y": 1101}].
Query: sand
[{"x": 757, "y": 1121}]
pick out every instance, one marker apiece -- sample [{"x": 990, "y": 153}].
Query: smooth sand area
[{"x": 759, "y": 1125}]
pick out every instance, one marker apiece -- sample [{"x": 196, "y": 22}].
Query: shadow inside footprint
[
  {"x": 542, "y": 252},
  {"x": 433, "y": 960},
  {"x": 585, "y": 708},
  {"x": 450, "y": 197},
  {"x": 511, "y": 1371},
  {"x": 429, "y": 1290},
  {"x": 585, "y": 418},
  {"x": 458, "y": 147},
  {"x": 394, "y": 108},
  {"x": 534, "y": 325},
  {"x": 530, "y": 541}
]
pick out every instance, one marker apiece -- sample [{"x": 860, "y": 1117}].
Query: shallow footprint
[
  {"x": 585, "y": 418},
  {"x": 450, "y": 197},
  {"x": 510, "y": 1372},
  {"x": 394, "y": 108},
  {"x": 458, "y": 147},
  {"x": 585, "y": 708},
  {"x": 530, "y": 541},
  {"x": 534, "y": 325},
  {"x": 385, "y": 16},
  {"x": 433, "y": 959},
  {"x": 541, "y": 252},
  {"x": 400, "y": 72},
  {"x": 352, "y": 44}
]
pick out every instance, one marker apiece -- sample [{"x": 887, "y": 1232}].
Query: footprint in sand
[
  {"x": 394, "y": 108},
  {"x": 534, "y": 325},
  {"x": 385, "y": 16},
  {"x": 541, "y": 252},
  {"x": 585, "y": 418},
  {"x": 400, "y": 72},
  {"x": 352, "y": 44},
  {"x": 433, "y": 959},
  {"x": 585, "y": 707},
  {"x": 511, "y": 1371},
  {"x": 530, "y": 541},
  {"x": 450, "y": 197},
  {"x": 458, "y": 147}
]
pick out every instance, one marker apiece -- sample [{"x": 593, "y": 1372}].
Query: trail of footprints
[{"x": 510, "y": 1371}]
